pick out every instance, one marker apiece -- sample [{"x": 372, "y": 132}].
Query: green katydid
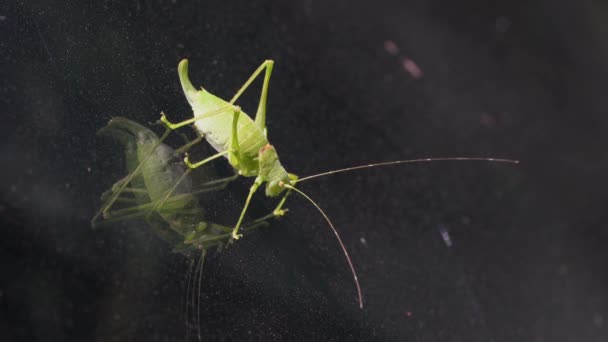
[{"x": 243, "y": 141}]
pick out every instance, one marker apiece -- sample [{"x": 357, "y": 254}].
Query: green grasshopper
[{"x": 244, "y": 142}]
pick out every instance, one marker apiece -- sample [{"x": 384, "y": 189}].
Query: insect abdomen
[{"x": 217, "y": 130}]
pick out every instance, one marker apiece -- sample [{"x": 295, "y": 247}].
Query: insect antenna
[
  {"x": 198, "y": 301},
  {"x": 408, "y": 161},
  {"x": 350, "y": 263},
  {"x": 187, "y": 306},
  {"x": 193, "y": 294}
]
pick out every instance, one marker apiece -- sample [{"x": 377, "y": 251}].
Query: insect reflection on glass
[{"x": 155, "y": 169}]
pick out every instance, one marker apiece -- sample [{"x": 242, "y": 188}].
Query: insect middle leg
[{"x": 252, "y": 190}]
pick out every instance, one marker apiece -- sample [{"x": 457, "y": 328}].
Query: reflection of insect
[
  {"x": 160, "y": 171},
  {"x": 155, "y": 170},
  {"x": 243, "y": 141}
]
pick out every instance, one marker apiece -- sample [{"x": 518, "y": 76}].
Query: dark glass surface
[{"x": 354, "y": 82}]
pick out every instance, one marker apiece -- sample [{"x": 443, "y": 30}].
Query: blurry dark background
[{"x": 354, "y": 82}]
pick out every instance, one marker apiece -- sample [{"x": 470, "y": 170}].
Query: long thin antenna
[
  {"x": 198, "y": 297},
  {"x": 409, "y": 161},
  {"x": 188, "y": 278},
  {"x": 350, "y": 264}
]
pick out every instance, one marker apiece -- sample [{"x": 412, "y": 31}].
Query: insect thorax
[{"x": 271, "y": 171}]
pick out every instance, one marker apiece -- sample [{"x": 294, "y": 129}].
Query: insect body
[
  {"x": 236, "y": 136},
  {"x": 243, "y": 141}
]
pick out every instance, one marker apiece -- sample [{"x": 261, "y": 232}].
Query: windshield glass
[{"x": 120, "y": 226}]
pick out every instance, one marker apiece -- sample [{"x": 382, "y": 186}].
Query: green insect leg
[
  {"x": 235, "y": 151},
  {"x": 260, "y": 116},
  {"x": 173, "y": 126},
  {"x": 267, "y": 64},
  {"x": 252, "y": 191}
]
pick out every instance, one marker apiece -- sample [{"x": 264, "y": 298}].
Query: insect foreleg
[{"x": 252, "y": 190}]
